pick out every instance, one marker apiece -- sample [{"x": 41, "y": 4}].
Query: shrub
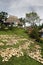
[{"x": 34, "y": 34}]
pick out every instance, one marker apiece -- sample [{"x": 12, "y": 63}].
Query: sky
[{"x": 21, "y": 7}]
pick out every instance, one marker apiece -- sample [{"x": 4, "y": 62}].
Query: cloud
[{"x": 20, "y": 7}]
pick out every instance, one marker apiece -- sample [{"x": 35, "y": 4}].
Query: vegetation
[
  {"x": 23, "y": 60},
  {"x": 32, "y": 18},
  {"x": 3, "y": 15},
  {"x": 18, "y": 31},
  {"x": 35, "y": 34}
]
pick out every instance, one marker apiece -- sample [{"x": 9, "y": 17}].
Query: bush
[
  {"x": 2, "y": 26},
  {"x": 41, "y": 41},
  {"x": 34, "y": 34}
]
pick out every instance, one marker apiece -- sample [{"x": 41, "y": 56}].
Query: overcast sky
[{"x": 21, "y": 7}]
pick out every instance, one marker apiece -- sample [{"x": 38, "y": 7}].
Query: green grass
[
  {"x": 32, "y": 47},
  {"x": 18, "y": 31},
  {"x": 24, "y": 60},
  {"x": 41, "y": 44},
  {"x": 15, "y": 31},
  {"x": 14, "y": 45}
]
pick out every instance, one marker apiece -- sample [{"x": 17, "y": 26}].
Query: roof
[{"x": 12, "y": 19}]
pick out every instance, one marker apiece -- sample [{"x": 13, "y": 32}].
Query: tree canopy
[
  {"x": 3, "y": 15},
  {"x": 32, "y": 17}
]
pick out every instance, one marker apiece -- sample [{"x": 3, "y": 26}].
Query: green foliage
[
  {"x": 35, "y": 34},
  {"x": 3, "y": 15},
  {"x": 18, "y": 31},
  {"x": 32, "y": 18},
  {"x": 20, "y": 24},
  {"x": 10, "y": 27},
  {"x": 41, "y": 26},
  {"x": 22, "y": 21},
  {"x": 2, "y": 26},
  {"x": 23, "y": 60}
]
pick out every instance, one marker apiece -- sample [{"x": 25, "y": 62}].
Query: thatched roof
[{"x": 12, "y": 19}]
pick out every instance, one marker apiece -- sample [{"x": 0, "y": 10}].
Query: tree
[
  {"x": 22, "y": 21},
  {"x": 32, "y": 18},
  {"x": 3, "y": 15}
]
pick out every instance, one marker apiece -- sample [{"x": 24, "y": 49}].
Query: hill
[{"x": 17, "y": 48}]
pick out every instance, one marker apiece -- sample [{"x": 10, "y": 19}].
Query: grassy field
[
  {"x": 23, "y": 60},
  {"x": 18, "y": 31},
  {"x": 41, "y": 44}
]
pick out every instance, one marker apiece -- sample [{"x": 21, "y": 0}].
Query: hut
[{"x": 12, "y": 20}]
